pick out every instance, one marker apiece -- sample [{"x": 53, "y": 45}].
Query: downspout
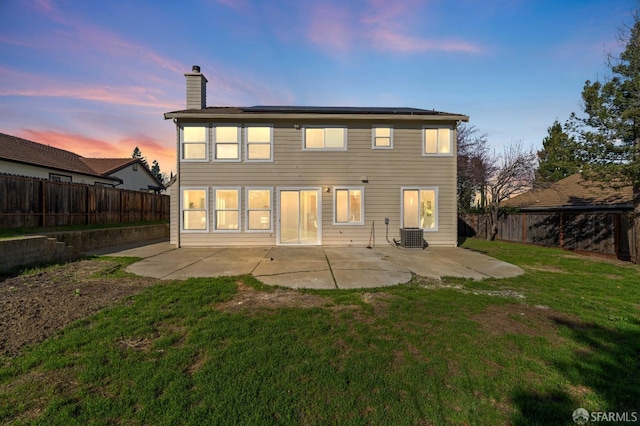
[{"x": 178, "y": 227}]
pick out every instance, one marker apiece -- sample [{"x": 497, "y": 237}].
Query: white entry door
[{"x": 299, "y": 216}]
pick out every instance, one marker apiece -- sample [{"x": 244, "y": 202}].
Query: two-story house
[{"x": 294, "y": 175}]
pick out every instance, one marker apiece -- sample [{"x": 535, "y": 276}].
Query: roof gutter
[{"x": 311, "y": 116}]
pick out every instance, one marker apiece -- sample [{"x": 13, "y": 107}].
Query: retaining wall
[{"x": 63, "y": 246}]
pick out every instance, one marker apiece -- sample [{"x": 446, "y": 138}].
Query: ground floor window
[
  {"x": 226, "y": 202},
  {"x": 348, "y": 206},
  {"x": 259, "y": 209},
  {"x": 420, "y": 208},
  {"x": 194, "y": 209},
  {"x": 59, "y": 178}
]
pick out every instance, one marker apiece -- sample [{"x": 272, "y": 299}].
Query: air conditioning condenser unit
[{"x": 411, "y": 237}]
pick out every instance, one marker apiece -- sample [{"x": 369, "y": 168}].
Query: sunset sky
[{"x": 95, "y": 77}]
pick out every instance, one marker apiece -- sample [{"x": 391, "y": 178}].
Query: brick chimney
[{"x": 196, "y": 89}]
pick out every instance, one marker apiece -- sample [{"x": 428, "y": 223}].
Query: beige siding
[
  {"x": 386, "y": 170},
  {"x": 174, "y": 212}
]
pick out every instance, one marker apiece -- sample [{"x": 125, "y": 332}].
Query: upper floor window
[
  {"x": 325, "y": 138},
  {"x": 194, "y": 142},
  {"x": 437, "y": 141},
  {"x": 259, "y": 143},
  {"x": 226, "y": 143},
  {"x": 382, "y": 137},
  {"x": 348, "y": 206}
]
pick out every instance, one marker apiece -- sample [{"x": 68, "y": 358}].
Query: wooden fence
[
  {"x": 31, "y": 202},
  {"x": 605, "y": 233}
]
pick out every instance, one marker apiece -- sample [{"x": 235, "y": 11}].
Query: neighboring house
[
  {"x": 574, "y": 193},
  {"x": 291, "y": 175},
  {"x": 26, "y": 158},
  {"x": 131, "y": 171},
  {"x": 574, "y": 214}
]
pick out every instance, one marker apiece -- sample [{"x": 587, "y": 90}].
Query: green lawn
[{"x": 525, "y": 350}]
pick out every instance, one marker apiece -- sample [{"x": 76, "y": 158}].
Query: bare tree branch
[{"x": 511, "y": 173}]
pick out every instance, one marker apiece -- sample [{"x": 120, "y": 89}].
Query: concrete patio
[{"x": 313, "y": 267}]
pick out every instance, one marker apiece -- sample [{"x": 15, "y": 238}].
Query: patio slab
[{"x": 314, "y": 267}]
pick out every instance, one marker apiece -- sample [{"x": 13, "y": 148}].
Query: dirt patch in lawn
[
  {"x": 249, "y": 299},
  {"x": 524, "y": 319},
  {"x": 33, "y": 306}
]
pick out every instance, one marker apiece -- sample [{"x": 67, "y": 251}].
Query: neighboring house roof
[
  {"x": 574, "y": 193},
  {"x": 107, "y": 166},
  {"x": 315, "y": 111},
  {"x": 23, "y": 151}
]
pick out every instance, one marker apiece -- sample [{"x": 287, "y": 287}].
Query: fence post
[
  {"x": 524, "y": 227},
  {"x": 616, "y": 234},
  {"x": 44, "y": 204},
  {"x": 86, "y": 205},
  {"x": 561, "y": 230}
]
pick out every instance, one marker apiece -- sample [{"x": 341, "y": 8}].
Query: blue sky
[{"x": 96, "y": 77}]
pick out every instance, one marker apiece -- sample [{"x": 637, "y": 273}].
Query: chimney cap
[{"x": 196, "y": 68}]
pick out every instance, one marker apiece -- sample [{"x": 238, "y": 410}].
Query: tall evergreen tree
[
  {"x": 155, "y": 170},
  {"x": 609, "y": 132},
  {"x": 138, "y": 154},
  {"x": 559, "y": 156}
]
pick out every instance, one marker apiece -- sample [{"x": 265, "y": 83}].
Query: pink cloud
[
  {"x": 18, "y": 83},
  {"x": 383, "y": 25},
  {"x": 75, "y": 34},
  {"x": 381, "y": 12},
  {"x": 235, "y": 4},
  {"x": 91, "y": 147},
  {"x": 330, "y": 26},
  {"x": 79, "y": 144},
  {"x": 384, "y": 39},
  {"x": 44, "y": 6},
  {"x": 14, "y": 42}
]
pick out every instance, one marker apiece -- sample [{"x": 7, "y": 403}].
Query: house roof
[
  {"x": 24, "y": 151},
  {"x": 573, "y": 192},
  {"x": 107, "y": 166},
  {"x": 271, "y": 111}
]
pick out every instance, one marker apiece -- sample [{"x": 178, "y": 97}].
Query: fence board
[
  {"x": 32, "y": 202},
  {"x": 605, "y": 233}
]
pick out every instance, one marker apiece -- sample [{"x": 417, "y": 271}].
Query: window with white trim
[
  {"x": 325, "y": 138},
  {"x": 54, "y": 177},
  {"x": 348, "y": 206},
  {"x": 437, "y": 141},
  {"x": 194, "y": 209},
  {"x": 259, "y": 143},
  {"x": 382, "y": 137},
  {"x": 420, "y": 208},
  {"x": 226, "y": 203},
  {"x": 259, "y": 206},
  {"x": 194, "y": 142},
  {"x": 226, "y": 145}
]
